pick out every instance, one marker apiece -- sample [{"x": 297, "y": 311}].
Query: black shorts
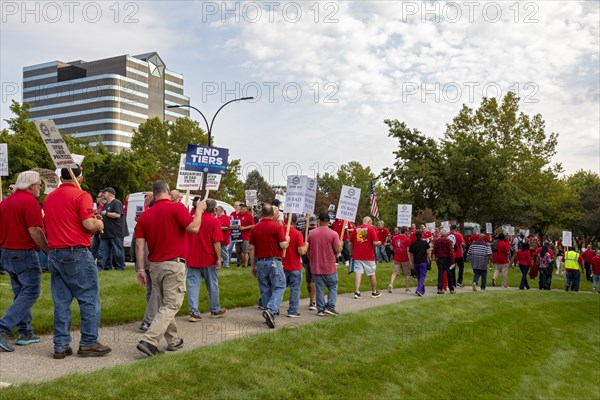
[{"x": 307, "y": 272}]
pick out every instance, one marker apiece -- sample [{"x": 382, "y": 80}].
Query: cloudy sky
[{"x": 326, "y": 74}]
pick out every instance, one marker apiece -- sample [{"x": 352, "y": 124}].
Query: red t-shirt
[
  {"x": 19, "y": 212},
  {"x": 246, "y": 219},
  {"x": 382, "y": 234},
  {"x": 201, "y": 250},
  {"x": 588, "y": 255},
  {"x": 523, "y": 257},
  {"x": 596, "y": 265},
  {"x": 539, "y": 250},
  {"x": 459, "y": 240},
  {"x": 362, "y": 243},
  {"x": 427, "y": 235},
  {"x": 265, "y": 237},
  {"x": 502, "y": 252},
  {"x": 225, "y": 221},
  {"x": 292, "y": 261},
  {"x": 338, "y": 225},
  {"x": 412, "y": 234},
  {"x": 322, "y": 244},
  {"x": 163, "y": 226},
  {"x": 65, "y": 208},
  {"x": 401, "y": 243}
]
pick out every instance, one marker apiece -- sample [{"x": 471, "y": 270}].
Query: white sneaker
[
  {"x": 390, "y": 287},
  {"x": 474, "y": 287}
]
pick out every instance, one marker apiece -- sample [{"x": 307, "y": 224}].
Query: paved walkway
[{"x": 34, "y": 363}]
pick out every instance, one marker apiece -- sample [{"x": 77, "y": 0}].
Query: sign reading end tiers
[{"x": 206, "y": 159}]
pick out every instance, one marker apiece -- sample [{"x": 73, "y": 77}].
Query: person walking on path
[
  {"x": 292, "y": 267},
  {"x": 420, "y": 258},
  {"x": 362, "y": 242},
  {"x": 573, "y": 266},
  {"x": 479, "y": 254},
  {"x": 523, "y": 259},
  {"x": 21, "y": 237},
  {"x": 70, "y": 221},
  {"x": 164, "y": 227},
  {"x": 443, "y": 250},
  {"x": 267, "y": 240},
  {"x": 400, "y": 244},
  {"x": 323, "y": 246}
]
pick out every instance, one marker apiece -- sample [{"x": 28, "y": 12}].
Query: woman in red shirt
[{"x": 523, "y": 260}]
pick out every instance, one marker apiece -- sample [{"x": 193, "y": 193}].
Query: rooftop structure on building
[{"x": 104, "y": 100}]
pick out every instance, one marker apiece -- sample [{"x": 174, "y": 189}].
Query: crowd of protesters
[{"x": 177, "y": 249}]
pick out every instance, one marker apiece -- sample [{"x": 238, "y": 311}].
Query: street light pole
[{"x": 209, "y": 127}]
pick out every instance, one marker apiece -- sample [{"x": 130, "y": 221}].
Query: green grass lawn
[
  {"x": 123, "y": 300},
  {"x": 494, "y": 345}
]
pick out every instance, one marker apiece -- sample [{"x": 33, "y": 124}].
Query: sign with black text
[
  {"x": 300, "y": 194},
  {"x": 348, "y": 205},
  {"x": 55, "y": 144},
  {"x": 187, "y": 180},
  {"x": 206, "y": 159},
  {"x": 3, "y": 159},
  {"x": 404, "y": 217}
]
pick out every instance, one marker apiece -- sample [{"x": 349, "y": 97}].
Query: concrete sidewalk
[{"x": 34, "y": 363}]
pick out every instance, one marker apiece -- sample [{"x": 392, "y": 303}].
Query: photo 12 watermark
[
  {"x": 53, "y": 12},
  {"x": 271, "y": 92},
  {"x": 271, "y": 12},
  {"x": 470, "y": 11},
  {"x": 275, "y": 172},
  {"x": 466, "y": 92}
]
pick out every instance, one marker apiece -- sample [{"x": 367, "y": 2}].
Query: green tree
[{"x": 255, "y": 181}]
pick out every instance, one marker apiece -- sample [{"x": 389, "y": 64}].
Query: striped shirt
[{"x": 478, "y": 254}]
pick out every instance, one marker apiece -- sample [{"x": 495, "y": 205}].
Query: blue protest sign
[{"x": 206, "y": 159}]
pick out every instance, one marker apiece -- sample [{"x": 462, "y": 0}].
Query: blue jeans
[
  {"x": 480, "y": 273},
  {"x": 23, "y": 266},
  {"x": 293, "y": 279},
  {"x": 95, "y": 246},
  {"x": 380, "y": 253},
  {"x": 271, "y": 282},
  {"x": 74, "y": 275},
  {"x": 573, "y": 278},
  {"x": 225, "y": 256},
  {"x": 331, "y": 282},
  {"x": 596, "y": 278},
  {"x": 111, "y": 253},
  {"x": 211, "y": 280}
]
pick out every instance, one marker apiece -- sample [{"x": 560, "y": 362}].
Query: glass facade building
[{"x": 104, "y": 100}]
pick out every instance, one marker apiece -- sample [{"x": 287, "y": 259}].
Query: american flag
[{"x": 374, "y": 209}]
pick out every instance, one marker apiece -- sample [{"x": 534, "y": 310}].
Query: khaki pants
[
  {"x": 168, "y": 284},
  {"x": 502, "y": 269}
]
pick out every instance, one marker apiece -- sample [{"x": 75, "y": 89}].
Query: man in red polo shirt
[
  {"x": 225, "y": 224},
  {"x": 362, "y": 240},
  {"x": 382, "y": 234},
  {"x": 292, "y": 267},
  {"x": 246, "y": 225},
  {"x": 401, "y": 243},
  {"x": 70, "y": 221},
  {"x": 337, "y": 226},
  {"x": 459, "y": 247},
  {"x": 21, "y": 237},
  {"x": 267, "y": 239},
  {"x": 164, "y": 228},
  {"x": 587, "y": 255},
  {"x": 500, "y": 258},
  {"x": 204, "y": 260}
]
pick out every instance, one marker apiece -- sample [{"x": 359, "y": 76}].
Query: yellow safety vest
[{"x": 571, "y": 260}]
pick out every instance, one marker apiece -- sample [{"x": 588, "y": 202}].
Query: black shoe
[
  {"x": 493, "y": 282},
  {"x": 268, "y": 319},
  {"x": 176, "y": 346},
  {"x": 331, "y": 311},
  {"x": 149, "y": 349},
  {"x": 59, "y": 355},
  {"x": 144, "y": 327}
]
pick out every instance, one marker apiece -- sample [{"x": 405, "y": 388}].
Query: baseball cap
[
  {"x": 243, "y": 205},
  {"x": 323, "y": 217},
  {"x": 64, "y": 172}
]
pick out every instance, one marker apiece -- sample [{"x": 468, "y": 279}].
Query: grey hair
[
  {"x": 210, "y": 205},
  {"x": 367, "y": 219},
  {"x": 26, "y": 179},
  {"x": 444, "y": 231},
  {"x": 159, "y": 187}
]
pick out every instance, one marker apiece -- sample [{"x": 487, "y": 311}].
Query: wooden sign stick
[
  {"x": 287, "y": 233},
  {"x": 306, "y": 228},
  {"x": 74, "y": 178},
  {"x": 187, "y": 198}
]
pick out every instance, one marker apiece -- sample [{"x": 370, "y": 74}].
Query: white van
[{"x": 134, "y": 205}]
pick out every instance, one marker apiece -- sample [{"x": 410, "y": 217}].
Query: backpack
[
  {"x": 543, "y": 262},
  {"x": 520, "y": 243},
  {"x": 495, "y": 246}
]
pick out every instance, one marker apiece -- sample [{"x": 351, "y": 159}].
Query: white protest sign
[
  {"x": 187, "y": 180},
  {"x": 567, "y": 238},
  {"x": 251, "y": 198},
  {"x": 511, "y": 230},
  {"x": 55, "y": 144},
  {"x": 446, "y": 225},
  {"x": 488, "y": 228},
  {"x": 348, "y": 204},
  {"x": 430, "y": 226},
  {"x": 300, "y": 194},
  {"x": 525, "y": 232},
  {"x": 77, "y": 158},
  {"x": 213, "y": 182},
  {"x": 281, "y": 198},
  {"x": 3, "y": 159},
  {"x": 404, "y": 215},
  {"x": 50, "y": 178}
]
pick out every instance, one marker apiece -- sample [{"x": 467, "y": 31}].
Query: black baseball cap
[
  {"x": 64, "y": 172},
  {"x": 324, "y": 217},
  {"x": 109, "y": 190}
]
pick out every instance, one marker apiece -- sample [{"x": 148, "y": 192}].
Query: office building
[{"x": 104, "y": 100}]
